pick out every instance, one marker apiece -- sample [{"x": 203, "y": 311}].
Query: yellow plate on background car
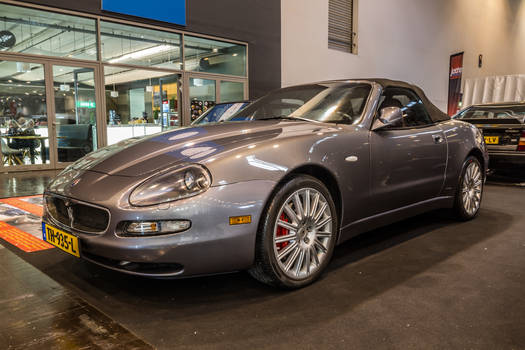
[
  {"x": 60, "y": 239},
  {"x": 491, "y": 140}
]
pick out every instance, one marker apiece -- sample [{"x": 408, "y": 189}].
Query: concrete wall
[{"x": 410, "y": 40}]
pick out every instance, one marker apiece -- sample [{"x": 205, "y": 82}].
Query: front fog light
[{"x": 147, "y": 228}]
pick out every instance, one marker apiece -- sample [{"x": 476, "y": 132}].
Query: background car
[
  {"x": 316, "y": 165},
  {"x": 220, "y": 112},
  {"x": 503, "y": 126}
]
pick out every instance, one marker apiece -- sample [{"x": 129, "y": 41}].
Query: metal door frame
[{"x": 48, "y": 64}]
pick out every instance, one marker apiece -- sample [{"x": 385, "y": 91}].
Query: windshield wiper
[
  {"x": 280, "y": 117},
  {"x": 285, "y": 117}
]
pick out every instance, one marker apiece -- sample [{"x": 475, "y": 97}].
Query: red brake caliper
[{"x": 281, "y": 231}]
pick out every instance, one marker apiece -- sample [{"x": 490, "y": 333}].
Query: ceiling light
[
  {"x": 9, "y": 81},
  {"x": 235, "y": 55},
  {"x": 142, "y": 53}
]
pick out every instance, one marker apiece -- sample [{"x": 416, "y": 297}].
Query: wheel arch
[
  {"x": 322, "y": 174},
  {"x": 476, "y": 152}
]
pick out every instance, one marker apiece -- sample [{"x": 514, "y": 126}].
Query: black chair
[
  {"x": 11, "y": 156},
  {"x": 74, "y": 141}
]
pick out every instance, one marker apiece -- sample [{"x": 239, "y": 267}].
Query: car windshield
[
  {"x": 326, "y": 102},
  {"x": 220, "y": 112},
  {"x": 508, "y": 114}
]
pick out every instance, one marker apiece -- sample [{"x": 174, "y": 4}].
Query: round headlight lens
[{"x": 170, "y": 186}]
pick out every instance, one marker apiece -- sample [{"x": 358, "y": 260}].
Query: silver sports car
[{"x": 316, "y": 165}]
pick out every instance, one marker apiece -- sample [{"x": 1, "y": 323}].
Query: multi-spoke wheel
[
  {"x": 298, "y": 234},
  {"x": 470, "y": 190}
]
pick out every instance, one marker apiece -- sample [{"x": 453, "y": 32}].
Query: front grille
[{"x": 77, "y": 215}]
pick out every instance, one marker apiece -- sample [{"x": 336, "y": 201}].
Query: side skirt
[{"x": 391, "y": 216}]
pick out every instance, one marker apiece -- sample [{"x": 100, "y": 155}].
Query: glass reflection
[{"x": 23, "y": 114}]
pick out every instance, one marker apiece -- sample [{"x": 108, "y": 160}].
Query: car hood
[{"x": 151, "y": 154}]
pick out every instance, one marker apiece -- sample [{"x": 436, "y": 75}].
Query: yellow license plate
[
  {"x": 60, "y": 239},
  {"x": 491, "y": 140}
]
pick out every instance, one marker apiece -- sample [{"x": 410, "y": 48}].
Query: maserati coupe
[{"x": 307, "y": 168}]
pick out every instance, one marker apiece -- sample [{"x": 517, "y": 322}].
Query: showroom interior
[{"x": 100, "y": 95}]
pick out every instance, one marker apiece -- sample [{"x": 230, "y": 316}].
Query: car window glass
[
  {"x": 326, "y": 102},
  {"x": 414, "y": 111}
]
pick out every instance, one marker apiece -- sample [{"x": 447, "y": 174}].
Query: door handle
[{"x": 438, "y": 138}]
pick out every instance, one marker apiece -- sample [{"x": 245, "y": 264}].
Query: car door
[{"x": 407, "y": 163}]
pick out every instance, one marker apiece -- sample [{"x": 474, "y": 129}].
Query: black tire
[
  {"x": 460, "y": 210},
  {"x": 266, "y": 268}
]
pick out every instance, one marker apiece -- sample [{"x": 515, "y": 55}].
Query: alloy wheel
[
  {"x": 302, "y": 233},
  {"x": 471, "y": 188}
]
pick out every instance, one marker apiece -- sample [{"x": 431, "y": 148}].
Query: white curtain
[{"x": 504, "y": 88}]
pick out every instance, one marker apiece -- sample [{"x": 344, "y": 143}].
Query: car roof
[
  {"x": 436, "y": 113},
  {"x": 498, "y": 105}
]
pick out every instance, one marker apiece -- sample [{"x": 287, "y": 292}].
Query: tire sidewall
[{"x": 271, "y": 217}]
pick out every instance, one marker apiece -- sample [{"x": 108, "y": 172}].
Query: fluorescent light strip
[{"x": 142, "y": 53}]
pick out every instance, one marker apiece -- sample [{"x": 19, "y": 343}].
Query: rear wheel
[
  {"x": 297, "y": 236},
  {"x": 470, "y": 190}
]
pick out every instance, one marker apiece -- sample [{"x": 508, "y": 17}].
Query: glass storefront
[
  {"x": 31, "y": 31},
  {"x": 75, "y": 112},
  {"x": 70, "y": 84},
  {"x": 124, "y": 44},
  {"x": 23, "y": 114},
  {"x": 232, "y": 91},
  {"x": 135, "y": 105},
  {"x": 212, "y": 56},
  {"x": 202, "y": 96}
]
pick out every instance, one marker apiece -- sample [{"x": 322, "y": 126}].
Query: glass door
[
  {"x": 75, "y": 113},
  {"x": 24, "y": 136},
  {"x": 202, "y": 93}
]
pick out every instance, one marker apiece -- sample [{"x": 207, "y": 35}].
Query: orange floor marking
[
  {"x": 20, "y": 204},
  {"x": 23, "y": 240}
]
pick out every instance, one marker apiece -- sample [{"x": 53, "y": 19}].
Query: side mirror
[{"x": 390, "y": 116}]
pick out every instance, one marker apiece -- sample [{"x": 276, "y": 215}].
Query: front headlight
[{"x": 171, "y": 186}]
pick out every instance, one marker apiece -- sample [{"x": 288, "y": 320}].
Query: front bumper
[{"x": 211, "y": 245}]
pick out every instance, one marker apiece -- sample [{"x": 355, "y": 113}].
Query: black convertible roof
[{"x": 436, "y": 113}]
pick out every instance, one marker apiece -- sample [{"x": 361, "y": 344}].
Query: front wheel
[
  {"x": 470, "y": 190},
  {"x": 297, "y": 236}
]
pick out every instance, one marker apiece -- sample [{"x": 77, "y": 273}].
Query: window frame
[{"x": 378, "y": 111}]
